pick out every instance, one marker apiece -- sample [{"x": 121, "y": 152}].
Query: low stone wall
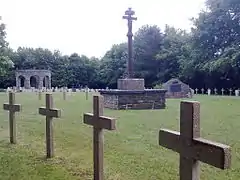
[{"x": 122, "y": 99}]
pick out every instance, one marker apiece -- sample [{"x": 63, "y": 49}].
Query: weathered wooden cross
[
  {"x": 12, "y": 108},
  {"x": 222, "y": 91},
  {"x": 39, "y": 94},
  {"x": 50, "y": 113},
  {"x": 230, "y": 91},
  {"x": 196, "y": 90},
  {"x": 64, "y": 94},
  {"x": 99, "y": 122},
  {"x": 86, "y": 92},
  {"x": 191, "y": 146}
]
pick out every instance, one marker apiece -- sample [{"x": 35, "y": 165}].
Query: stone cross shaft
[
  {"x": 50, "y": 113},
  {"x": 191, "y": 146},
  {"x": 99, "y": 122},
  {"x": 12, "y": 108},
  {"x": 129, "y": 16}
]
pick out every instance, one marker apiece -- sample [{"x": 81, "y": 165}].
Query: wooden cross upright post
[
  {"x": 50, "y": 113},
  {"x": 86, "y": 93},
  {"x": 222, "y": 91},
  {"x": 12, "y": 108},
  {"x": 64, "y": 94},
  {"x": 99, "y": 122},
  {"x": 39, "y": 94},
  {"x": 196, "y": 90},
  {"x": 191, "y": 146}
]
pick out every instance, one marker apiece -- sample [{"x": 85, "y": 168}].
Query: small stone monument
[
  {"x": 202, "y": 91},
  {"x": 177, "y": 89},
  {"x": 215, "y": 90}
]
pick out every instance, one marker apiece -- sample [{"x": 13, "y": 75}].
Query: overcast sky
[{"x": 88, "y": 27}]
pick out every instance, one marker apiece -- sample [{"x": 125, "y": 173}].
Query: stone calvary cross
[
  {"x": 129, "y": 16},
  {"x": 99, "y": 122},
  {"x": 50, "y": 113},
  {"x": 12, "y": 108},
  {"x": 191, "y": 146}
]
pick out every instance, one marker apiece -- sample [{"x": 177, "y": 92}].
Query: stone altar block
[
  {"x": 131, "y": 94},
  {"x": 131, "y": 84}
]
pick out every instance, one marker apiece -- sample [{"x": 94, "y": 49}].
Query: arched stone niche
[{"x": 33, "y": 78}]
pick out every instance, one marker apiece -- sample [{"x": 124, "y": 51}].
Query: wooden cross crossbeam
[
  {"x": 99, "y": 122},
  {"x": 50, "y": 113},
  {"x": 129, "y": 15},
  {"x": 12, "y": 108},
  {"x": 191, "y": 146}
]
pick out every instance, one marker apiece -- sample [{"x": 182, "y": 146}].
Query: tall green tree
[
  {"x": 216, "y": 42},
  {"x": 113, "y": 66},
  {"x": 5, "y": 61},
  {"x": 148, "y": 41}
]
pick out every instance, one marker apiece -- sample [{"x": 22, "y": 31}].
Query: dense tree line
[{"x": 207, "y": 56}]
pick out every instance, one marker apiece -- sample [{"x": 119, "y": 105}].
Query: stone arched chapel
[{"x": 33, "y": 78}]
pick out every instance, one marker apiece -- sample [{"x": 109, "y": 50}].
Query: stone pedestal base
[
  {"x": 134, "y": 99},
  {"x": 131, "y": 84}
]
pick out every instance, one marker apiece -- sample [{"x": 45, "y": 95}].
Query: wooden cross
[
  {"x": 86, "y": 93},
  {"x": 196, "y": 90},
  {"x": 40, "y": 94},
  {"x": 230, "y": 90},
  {"x": 50, "y": 113},
  {"x": 191, "y": 146},
  {"x": 222, "y": 91},
  {"x": 64, "y": 94},
  {"x": 99, "y": 122},
  {"x": 12, "y": 108}
]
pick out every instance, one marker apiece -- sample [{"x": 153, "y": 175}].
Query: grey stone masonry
[
  {"x": 131, "y": 84},
  {"x": 177, "y": 89},
  {"x": 39, "y": 76},
  {"x": 135, "y": 99}
]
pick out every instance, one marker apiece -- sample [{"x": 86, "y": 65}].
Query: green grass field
[{"x": 131, "y": 152}]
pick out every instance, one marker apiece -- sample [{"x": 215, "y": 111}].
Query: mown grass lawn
[{"x": 131, "y": 152}]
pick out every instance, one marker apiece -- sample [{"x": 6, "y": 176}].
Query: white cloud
[{"x": 87, "y": 27}]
